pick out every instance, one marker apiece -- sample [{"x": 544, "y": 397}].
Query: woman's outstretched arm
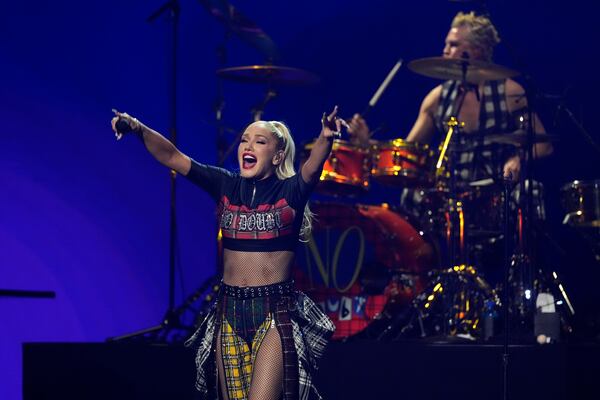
[{"x": 160, "y": 147}]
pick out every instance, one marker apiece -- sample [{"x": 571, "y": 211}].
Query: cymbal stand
[
  {"x": 259, "y": 108},
  {"x": 455, "y": 255},
  {"x": 453, "y": 205},
  {"x": 257, "y": 112},
  {"x": 522, "y": 272}
]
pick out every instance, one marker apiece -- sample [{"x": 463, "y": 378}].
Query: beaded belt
[{"x": 250, "y": 292}]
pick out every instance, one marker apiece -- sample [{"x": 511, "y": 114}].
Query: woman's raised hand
[
  {"x": 123, "y": 123},
  {"x": 331, "y": 125}
]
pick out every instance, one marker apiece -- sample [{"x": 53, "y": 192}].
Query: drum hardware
[
  {"x": 452, "y": 305},
  {"x": 581, "y": 201},
  {"x": 453, "y": 125},
  {"x": 455, "y": 255},
  {"x": 454, "y": 302}
]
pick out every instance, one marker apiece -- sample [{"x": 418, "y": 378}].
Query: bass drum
[{"x": 363, "y": 264}]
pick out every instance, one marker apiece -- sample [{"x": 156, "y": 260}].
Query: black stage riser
[{"x": 354, "y": 370}]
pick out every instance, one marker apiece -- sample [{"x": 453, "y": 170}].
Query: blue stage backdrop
[{"x": 87, "y": 217}]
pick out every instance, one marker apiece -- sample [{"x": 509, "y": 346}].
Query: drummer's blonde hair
[
  {"x": 285, "y": 169},
  {"x": 482, "y": 33}
]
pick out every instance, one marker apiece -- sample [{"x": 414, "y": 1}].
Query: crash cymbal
[
  {"x": 453, "y": 69},
  {"x": 520, "y": 138},
  {"x": 237, "y": 23},
  {"x": 269, "y": 74}
]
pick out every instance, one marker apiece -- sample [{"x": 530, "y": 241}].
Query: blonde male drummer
[{"x": 488, "y": 107}]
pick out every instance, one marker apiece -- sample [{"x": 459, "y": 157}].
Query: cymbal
[
  {"x": 520, "y": 138},
  {"x": 242, "y": 26},
  {"x": 270, "y": 74},
  {"x": 452, "y": 69}
]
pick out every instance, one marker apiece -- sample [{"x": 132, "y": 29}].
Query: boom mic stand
[{"x": 171, "y": 318}]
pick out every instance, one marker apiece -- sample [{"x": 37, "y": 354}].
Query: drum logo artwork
[{"x": 358, "y": 267}]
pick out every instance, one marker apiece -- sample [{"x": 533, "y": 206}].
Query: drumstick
[{"x": 382, "y": 88}]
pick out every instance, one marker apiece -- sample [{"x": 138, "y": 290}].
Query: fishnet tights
[{"x": 267, "y": 370}]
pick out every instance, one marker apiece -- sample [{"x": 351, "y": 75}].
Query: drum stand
[
  {"x": 528, "y": 283},
  {"x": 456, "y": 297}
]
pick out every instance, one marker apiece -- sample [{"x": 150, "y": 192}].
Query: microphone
[{"x": 123, "y": 126}]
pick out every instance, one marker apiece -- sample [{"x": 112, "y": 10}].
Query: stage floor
[{"x": 350, "y": 370}]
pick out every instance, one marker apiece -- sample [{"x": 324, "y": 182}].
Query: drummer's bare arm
[
  {"x": 330, "y": 126},
  {"x": 162, "y": 149},
  {"x": 424, "y": 127},
  {"x": 516, "y": 100}
]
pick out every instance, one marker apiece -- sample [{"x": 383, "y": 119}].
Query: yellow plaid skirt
[{"x": 238, "y": 357}]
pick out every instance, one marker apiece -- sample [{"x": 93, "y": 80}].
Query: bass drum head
[{"x": 362, "y": 264}]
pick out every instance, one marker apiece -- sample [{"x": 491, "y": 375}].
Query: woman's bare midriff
[{"x": 244, "y": 268}]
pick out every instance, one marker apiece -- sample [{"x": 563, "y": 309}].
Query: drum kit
[{"x": 389, "y": 271}]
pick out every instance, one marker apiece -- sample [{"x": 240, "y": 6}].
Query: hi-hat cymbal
[
  {"x": 269, "y": 74},
  {"x": 474, "y": 71},
  {"x": 520, "y": 138}
]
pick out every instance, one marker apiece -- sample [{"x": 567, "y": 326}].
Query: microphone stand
[
  {"x": 507, "y": 180},
  {"x": 171, "y": 318}
]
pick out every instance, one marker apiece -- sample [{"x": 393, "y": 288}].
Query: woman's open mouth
[{"x": 248, "y": 161}]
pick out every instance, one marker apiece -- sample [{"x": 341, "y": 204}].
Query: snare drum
[
  {"x": 581, "y": 200},
  {"x": 346, "y": 171},
  {"x": 403, "y": 164}
]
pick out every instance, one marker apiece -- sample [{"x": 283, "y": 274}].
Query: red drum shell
[
  {"x": 346, "y": 171},
  {"x": 403, "y": 164}
]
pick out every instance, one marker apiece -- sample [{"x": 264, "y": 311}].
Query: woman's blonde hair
[
  {"x": 285, "y": 169},
  {"x": 482, "y": 33}
]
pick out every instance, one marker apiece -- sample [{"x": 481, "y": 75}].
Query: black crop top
[{"x": 264, "y": 215}]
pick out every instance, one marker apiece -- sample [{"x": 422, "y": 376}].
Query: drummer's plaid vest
[
  {"x": 493, "y": 114},
  {"x": 493, "y": 118}
]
